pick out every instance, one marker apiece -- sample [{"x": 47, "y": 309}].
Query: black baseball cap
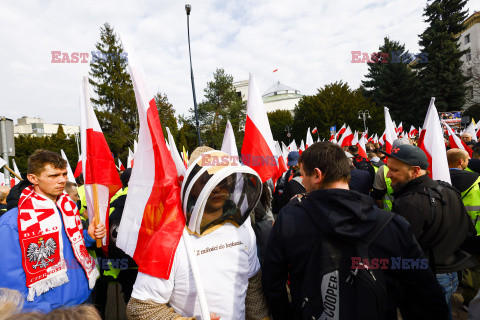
[{"x": 411, "y": 155}]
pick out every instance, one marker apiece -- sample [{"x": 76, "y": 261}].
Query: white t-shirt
[{"x": 227, "y": 258}]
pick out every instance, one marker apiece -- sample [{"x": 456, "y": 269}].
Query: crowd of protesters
[{"x": 337, "y": 236}]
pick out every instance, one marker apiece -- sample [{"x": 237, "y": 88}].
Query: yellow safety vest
[
  {"x": 387, "y": 198},
  {"x": 471, "y": 200},
  {"x": 83, "y": 199}
]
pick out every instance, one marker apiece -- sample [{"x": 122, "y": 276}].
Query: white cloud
[{"x": 308, "y": 41}]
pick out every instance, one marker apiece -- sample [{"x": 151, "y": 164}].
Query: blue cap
[{"x": 293, "y": 158}]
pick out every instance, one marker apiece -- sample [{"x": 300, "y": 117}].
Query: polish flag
[
  {"x": 282, "y": 167},
  {"x": 399, "y": 128},
  {"x": 346, "y": 139},
  {"x": 120, "y": 165},
  {"x": 70, "y": 175},
  {"x": 292, "y": 146},
  {"x": 355, "y": 138},
  {"x": 314, "y": 130},
  {"x": 130, "y": 158},
  {"x": 285, "y": 152},
  {"x": 309, "y": 139},
  {"x": 456, "y": 142},
  {"x": 362, "y": 150},
  {"x": 390, "y": 134},
  {"x": 413, "y": 132},
  {"x": 258, "y": 149},
  {"x": 14, "y": 180},
  {"x": 340, "y": 132},
  {"x": 302, "y": 147},
  {"x": 471, "y": 129},
  {"x": 433, "y": 145},
  {"x": 78, "y": 168},
  {"x": 381, "y": 141},
  {"x": 153, "y": 221},
  {"x": 99, "y": 172},
  {"x": 229, "y": 146}
]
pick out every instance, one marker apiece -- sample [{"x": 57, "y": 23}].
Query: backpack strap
[{"x": 384, "y": 218}]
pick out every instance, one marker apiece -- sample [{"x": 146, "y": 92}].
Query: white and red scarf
[{"x": 39, "y": 231}]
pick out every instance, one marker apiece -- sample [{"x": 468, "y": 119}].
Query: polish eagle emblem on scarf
[{"x": 40, "y": 252}]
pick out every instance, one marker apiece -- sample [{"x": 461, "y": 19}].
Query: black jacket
[
  {"x": 445, "y": 232},
  {"x": 462, "y": 179},
  {"x": 349, "y": 216}
]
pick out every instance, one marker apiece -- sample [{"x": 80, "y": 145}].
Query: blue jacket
[{"x": 12, "y": 275}]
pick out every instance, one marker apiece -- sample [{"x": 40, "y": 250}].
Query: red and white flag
[
  {"x": 314, "y": 130},
  {"x": 390, "y": 134},
  {"x": 229, "y": 145},
  {"x": 309, "y": 139},
  {"x": 433, "y": 145},
  {"x": 14, "y": 180},
  {"x": 413, "y": 132},
  {"x": 332, "y": 138},
  {"x": 177, "y": 159},
  {"x": 70, "y": 175},
  {"x": 258, "y": 149},
  {"x": 456, "y": 142},
  {"x": 120, "y": 165},
  {"x": 99, "y": 172},
  {"x": 153, "y": 221},
  {"x": 130, "y": 158},
  {"x": 302, "y": 147},
  {"x": 362, "y": 150},
  {"x": 292, "y": 146},
  {"x": 399, "y": 128},
  {"x": 340, "y": 132},
  {"x": 346, "y": 139}
]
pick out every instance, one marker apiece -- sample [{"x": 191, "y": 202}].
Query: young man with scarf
[{"x": 44, "y": 253}]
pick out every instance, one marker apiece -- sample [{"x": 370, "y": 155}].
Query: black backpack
[{"x": 335, "y": 290}]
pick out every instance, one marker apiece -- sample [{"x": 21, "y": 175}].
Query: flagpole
[
  {"x": 96, "y": 211},
  {"x": 188, "y": 8},
  {"x": 202, "y": 299}
]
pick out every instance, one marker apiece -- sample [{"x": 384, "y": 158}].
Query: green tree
[
  {"x": 115, "y": 103},
  {"x": 166, "y": 113},
  {"x": 187, "y": 135},
  {"x": 278, "y": 120},
  {"x": 335, "y": 104},
  {"x": 221, "y": 104},
  {"x": 441, "y": 76},
  {"x": 391, "y": 83}
]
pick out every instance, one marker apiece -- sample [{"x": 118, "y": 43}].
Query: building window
[
  {"x": 467, "y": 39},
  {"x": 469, "y": 56}
]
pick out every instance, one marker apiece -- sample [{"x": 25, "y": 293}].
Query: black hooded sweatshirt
[{"x": 347, "y": 216}]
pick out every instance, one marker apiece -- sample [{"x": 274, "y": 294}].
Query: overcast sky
[{"x": 309, "y": 42}]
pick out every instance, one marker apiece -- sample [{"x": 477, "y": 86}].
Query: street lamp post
[
  {"x": 188, "y": 8},
  {"x": 363, "y": 114},
  {"x": 288, "y": 128}
]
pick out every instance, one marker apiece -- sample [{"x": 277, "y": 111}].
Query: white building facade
[{"x": 38, "y": 128}]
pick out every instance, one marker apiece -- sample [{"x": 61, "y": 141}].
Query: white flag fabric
[
  {"x": 471, "y": 129},
  {"x": 302, "y": 146},
  {"x": 346, "y": 139},
  {"x": 70, "y": 176},
  {"x": 355, "y": 138},
  {"x": 433, "y": 145},
  {"x": 292, "y": 146},
  {"x": 181, "y": 170},
  {"x": 2, "y": 163},
  {"x": 229, "y": 146},
  {"x": 15, "y": 169}
]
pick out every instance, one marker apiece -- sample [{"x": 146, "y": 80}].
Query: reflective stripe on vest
[
  {"x": 471, "y": 200},
  {"x": 387, "y": 198}
]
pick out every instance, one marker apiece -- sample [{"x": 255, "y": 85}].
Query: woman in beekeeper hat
[{"x": 218, "y": 194}]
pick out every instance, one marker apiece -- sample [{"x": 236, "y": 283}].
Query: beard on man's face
[{"x": 398, "y": 186}]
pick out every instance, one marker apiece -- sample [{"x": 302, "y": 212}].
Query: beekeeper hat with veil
[{"x": 217, "y": 189}]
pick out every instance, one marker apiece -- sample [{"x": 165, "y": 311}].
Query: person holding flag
[
  {"x": 44, "y": 253},
  {"x": 218, "y": 195}
]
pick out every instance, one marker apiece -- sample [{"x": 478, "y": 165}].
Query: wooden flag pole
[
  {"x": 13, "y": 172},
  {"x": 96, "y": 211}
]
